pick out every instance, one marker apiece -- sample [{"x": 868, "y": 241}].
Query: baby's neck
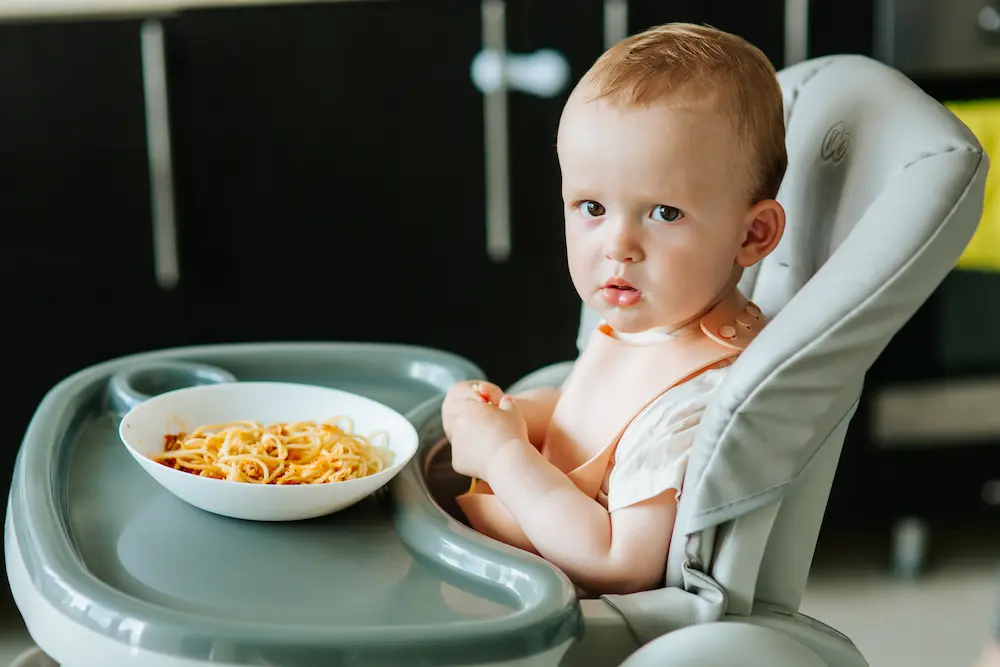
[
  {"x": 657, "y": 334},
  {"x": 653, "y": 335}
]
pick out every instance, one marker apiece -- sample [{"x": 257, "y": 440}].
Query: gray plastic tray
[{"x": 391, "y": 581}]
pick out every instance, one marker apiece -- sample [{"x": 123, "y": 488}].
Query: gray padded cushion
[{"x": 884, "y": 190}]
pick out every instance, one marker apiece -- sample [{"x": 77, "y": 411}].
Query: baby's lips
[{"x": 621, "y": 298}]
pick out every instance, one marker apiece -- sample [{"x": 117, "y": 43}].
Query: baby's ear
[{"x": 764, "y": 225}]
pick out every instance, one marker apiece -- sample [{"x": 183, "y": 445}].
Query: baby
[{"x": 672, "y": 148}]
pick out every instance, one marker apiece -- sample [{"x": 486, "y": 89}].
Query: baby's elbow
[
  {"x": 633, "y": 580},
  {"x": 640, "y": 584}
]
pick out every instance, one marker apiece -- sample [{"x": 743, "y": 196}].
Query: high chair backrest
[{"x": 884, "y": 189}]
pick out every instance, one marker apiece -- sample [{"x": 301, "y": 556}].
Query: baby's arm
[
  {"x": 623, "y": 551},
  {"x": 537, "y": 406}
]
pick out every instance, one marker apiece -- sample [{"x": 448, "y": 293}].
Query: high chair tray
[{"x": 392, "y": 581}]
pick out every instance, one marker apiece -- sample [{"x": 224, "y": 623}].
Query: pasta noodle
[{"x": 283, "y": 453}]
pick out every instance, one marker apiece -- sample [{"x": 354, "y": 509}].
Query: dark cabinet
[
  {"x": 761, "y": 23},
  {"x": 330, "y": 180},
  {"x": 325, "y": 157},
  {"x": 529, "y": 313},
  {"x": 329, "y": 171},
  {"x": 77, "y": 282},
  {"x": 843, "y": 26}
]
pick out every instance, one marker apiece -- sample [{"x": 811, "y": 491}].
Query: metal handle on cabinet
[
  {"x": 615, "y": 22},
  {"x": 544, "y": 73},
  {"x": 991, "y": 492},
  {"x": 161, "y": 180},
  {"x": 988, "y": 19},
  {"x": 796, "y": 31},
  {"x": 498, "y": 241}
]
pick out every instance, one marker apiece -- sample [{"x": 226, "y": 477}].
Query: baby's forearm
[{"x": 567, "y": 527}]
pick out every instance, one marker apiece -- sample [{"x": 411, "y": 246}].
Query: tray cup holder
[{"x": 130, "y": 387}]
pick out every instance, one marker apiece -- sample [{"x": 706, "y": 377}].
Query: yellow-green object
[{"x": 983, "y": 118}]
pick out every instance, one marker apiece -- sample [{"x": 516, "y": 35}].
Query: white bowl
[{"x": 142, "y": 430}]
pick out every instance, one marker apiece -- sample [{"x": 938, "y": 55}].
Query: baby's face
[{"x": 656, "y": 209}]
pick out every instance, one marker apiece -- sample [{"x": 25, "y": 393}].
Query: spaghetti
[{"x": 283, "y": 453}]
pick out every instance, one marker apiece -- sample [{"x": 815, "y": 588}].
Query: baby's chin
[
  {"x": 638, "y": 319},
  {"x": 628, "y": 320},
  {"x": 627, "y": 328}
]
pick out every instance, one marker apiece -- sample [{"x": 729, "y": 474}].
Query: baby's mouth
[{"x": 620, "y": 293}]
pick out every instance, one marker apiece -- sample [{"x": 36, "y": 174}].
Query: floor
[
  {"x": 941, "y": 619},
  {"x": 13, "y": 637}
]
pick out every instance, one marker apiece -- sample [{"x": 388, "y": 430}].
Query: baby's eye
[
  {"x": 591, "y": 209},
  {"x": 665, "y": 213}
]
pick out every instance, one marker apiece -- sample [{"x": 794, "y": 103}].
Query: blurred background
[{"x": 182, "y": 173}]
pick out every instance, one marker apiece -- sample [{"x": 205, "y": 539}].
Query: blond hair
[{"x": 666, "y": 59}]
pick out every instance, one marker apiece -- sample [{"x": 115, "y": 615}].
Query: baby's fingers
[
  {"x": 488, "y": 392},
  {"x": 507, "y": 404}
]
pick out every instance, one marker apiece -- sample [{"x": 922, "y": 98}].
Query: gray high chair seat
[{"x": 884, "y": 190}]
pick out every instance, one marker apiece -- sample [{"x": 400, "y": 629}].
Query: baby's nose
[
  {"x": 623, "y": 256},
  {"x": 623, "y": 247}
]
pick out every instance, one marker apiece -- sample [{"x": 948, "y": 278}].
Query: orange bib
[{"x": 612, "y": 382}]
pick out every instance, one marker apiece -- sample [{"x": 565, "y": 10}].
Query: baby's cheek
[{"x": 579, "y": 267}]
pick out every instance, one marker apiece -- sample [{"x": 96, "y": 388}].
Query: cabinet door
[
  {"x": 761, "y": 23},
  {"x": 845, "y": 26},
  {"x": 75, "y": 208},
  {"x": 328, "y": 168},
  {"x": 535, "y": 312},
  {"x": 331, "y": 178}
]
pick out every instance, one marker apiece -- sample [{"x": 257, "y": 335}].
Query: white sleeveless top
[{"x": 652, "y": 454}]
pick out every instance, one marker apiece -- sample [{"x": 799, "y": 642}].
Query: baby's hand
[
  {"x": 484, "y": 392},
  {"x": 479, "y": 420}
]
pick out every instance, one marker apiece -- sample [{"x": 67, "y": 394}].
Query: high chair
[{"x": 884, "y": 189}]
